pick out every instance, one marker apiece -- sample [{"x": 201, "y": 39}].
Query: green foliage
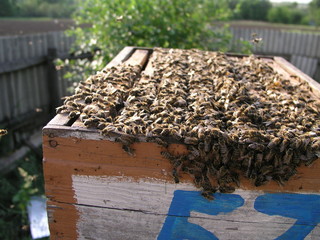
[
  {"x": 16, "y": 188},
  {"x": 45, "y": 8},
  {"x": 162, "y": 23},
  {"x": 7, "y": 8},
  {"x": 252, "y": 9},
  {"x": 285, "y": 14},
  {"x": 314, "y": 8},
  {"x": 22, "y": 197}
]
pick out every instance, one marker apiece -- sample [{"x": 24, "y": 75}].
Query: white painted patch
[{"x": 121, "y": 208}]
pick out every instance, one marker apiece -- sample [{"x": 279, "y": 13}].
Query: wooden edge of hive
[
  {"x": 295, "y": 72},
  {"x": 120, "y": 57},
  {"x": 125, "y": 54},
  {"x": 60, "y": 119}
]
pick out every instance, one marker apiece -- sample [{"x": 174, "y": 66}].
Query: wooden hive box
[{"x": 97, "y": 191}]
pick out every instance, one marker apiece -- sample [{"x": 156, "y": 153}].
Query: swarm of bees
[{"x": 237, "y": 116}]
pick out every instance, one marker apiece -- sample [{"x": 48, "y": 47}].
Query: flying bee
[{"x": 3, "y": 132}]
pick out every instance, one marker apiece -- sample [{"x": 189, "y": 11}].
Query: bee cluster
[{"x": 237, "y": 116}]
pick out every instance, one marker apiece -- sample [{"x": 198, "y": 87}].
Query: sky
[{"x": 298, "y": 1}]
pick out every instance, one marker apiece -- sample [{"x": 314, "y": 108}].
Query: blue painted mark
[
  {"x": 303, "y": 207},
  {"x": 176, "y": 225}
]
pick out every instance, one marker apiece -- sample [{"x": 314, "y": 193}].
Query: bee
[
  {"x": 175, "y": 175},
  {"x": 274, "y": 143},
  {"x": 83, "y": 117},
  {"x": 62, "y": 109},
  {"x": 284, "y": 144},
  {"x": 168, "y": 155},
  {"x": 288, "y": 156},
  {"x": 88, "y": 100},
  {"x": 207, "y": 144},
  {"x": 226, "y": 189},
  {"x": 128, "y": 150},
  {"x": 3, "y": 132},
  {"x": 278, "y": 179},
  {"x": 161, "y": 142},
  {"x": 315, "y": 145},
  {"x": 126, "y": 139},
  {"x": 191, "y": 140},
  {"x": 208, "y": 195},
  {"x": 74, "y": 114},
  {"x": 194, "y": 153},
  {"x": 256, "y": 146},
  {"x": 260, "y": 180}
]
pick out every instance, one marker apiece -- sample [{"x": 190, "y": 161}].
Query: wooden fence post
[{"x": 52, "y": 78}]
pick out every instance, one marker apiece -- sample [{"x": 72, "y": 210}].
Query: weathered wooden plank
[
  {"x": 60, "y": 119},
  {"x": 62, "y": 227},
  {"x": 125, "y": 52},
  {"x": 295, "y": 71},
  {"x": 108, "y": 159},
  {"x": 171, "y": 210},
  {"x": 139, "y": 57}
]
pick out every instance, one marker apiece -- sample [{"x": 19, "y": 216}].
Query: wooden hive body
[{"x": 96, "y": 190}]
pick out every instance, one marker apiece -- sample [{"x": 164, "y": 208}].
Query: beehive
[{"x": 98, "y": 191}]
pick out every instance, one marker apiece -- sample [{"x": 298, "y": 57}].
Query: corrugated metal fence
[{"x": 25, "y": 83}]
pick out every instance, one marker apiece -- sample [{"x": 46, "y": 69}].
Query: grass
[{"x": 16, "y": 188}]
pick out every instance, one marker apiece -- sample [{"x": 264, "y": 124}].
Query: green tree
[
  {"x": 7, "y": 8},
  {"x": 253, "y": 9},
  {"x": 45, "y": 8},
  {"x": 314, "y": 8},
  {"x": 289, "y": 14},
  {"x": 162, "y": 23}
]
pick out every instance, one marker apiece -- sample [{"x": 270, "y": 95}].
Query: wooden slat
[
  {"x": 295, "y": 71},
  {"x": 120, "y": 57},
  {"x": 139, "y": 57},
  {"x": 88, "y": 155},
  {"x": 59, "y": 119},
  {"x": 120, "y": 208}
]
